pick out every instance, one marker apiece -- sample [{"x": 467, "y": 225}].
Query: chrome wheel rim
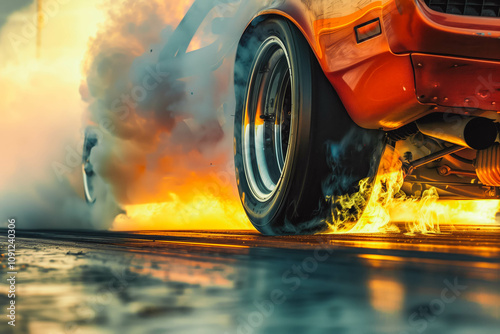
[
  {"x": 268, "y": 120},
  {"x": 88, "y": 188},
  {"x": 87, "y": 168}
]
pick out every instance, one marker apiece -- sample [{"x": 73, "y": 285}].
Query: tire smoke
[{"x": 162, "y": 99}]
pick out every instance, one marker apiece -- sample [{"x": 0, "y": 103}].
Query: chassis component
[
  {"x": 488, "y": 165},
  {"x": 477, "y": 133}
]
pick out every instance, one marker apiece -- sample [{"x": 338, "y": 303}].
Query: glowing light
[
  {"x": 386, "y": 295},
  {"x": 205, "y": 211}
]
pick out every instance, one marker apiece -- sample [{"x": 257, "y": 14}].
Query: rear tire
[{"x": 293, "y": 169}]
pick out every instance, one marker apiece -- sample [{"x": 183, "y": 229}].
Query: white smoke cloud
[
  {"x": 165, "y": 120},
  {"x": 165, "y": 114},
  {"x": 41, "y": 117}
]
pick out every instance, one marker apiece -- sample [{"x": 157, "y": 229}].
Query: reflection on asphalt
[{"x": 166, "y": 283}]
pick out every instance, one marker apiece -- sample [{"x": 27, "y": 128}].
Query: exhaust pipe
[{"x": 477, "y": 133}]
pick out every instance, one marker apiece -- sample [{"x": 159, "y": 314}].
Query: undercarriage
[{"x": 458, "y": 155}]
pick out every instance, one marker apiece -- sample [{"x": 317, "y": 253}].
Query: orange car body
[{"x": 394, "y": 61}]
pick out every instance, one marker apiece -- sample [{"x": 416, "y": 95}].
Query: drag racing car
[{"x": 324, "y": 88}]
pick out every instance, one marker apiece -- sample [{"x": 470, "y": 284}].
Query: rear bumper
[
  {"x": 456, "y": 58},
  {"x": 413, "y": 27}
]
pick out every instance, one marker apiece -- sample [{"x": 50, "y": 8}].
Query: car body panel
[
  {"x": 457, "y": 82},
  {"x": 412, "y": 27}
]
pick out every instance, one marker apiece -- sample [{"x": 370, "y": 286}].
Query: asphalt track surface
[{"x": 243, "y": 282}]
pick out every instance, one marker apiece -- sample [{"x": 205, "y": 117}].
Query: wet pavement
[{"x": 242, "y": 282}]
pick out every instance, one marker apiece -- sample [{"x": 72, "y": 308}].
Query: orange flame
[{"x": 421, "y": 215}]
